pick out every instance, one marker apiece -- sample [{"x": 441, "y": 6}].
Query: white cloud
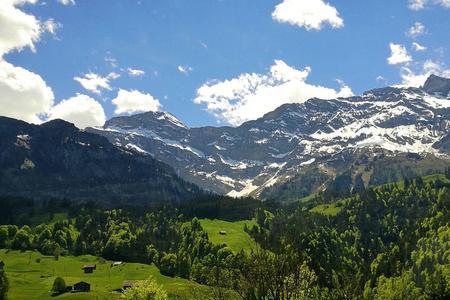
[
  {"x": 310, "y": 14},
  {"x": 23, "y": 94},
  {"x": 17, "y": 29},
  {"x": 251, "y": 95},
  {"x": 399, "y": 54},
  {"x": 113, "y": 75},
  {"x": 96, "y": 83},
  {"x": 418, "y": 47},
  {"x": 51, "y": 26},
  {"x": 418, "y": 78},
  {"x": 416, "y": 30},
  {"x": 81, "y": 110},
  {"x": 417, "y": 4},
  {"x": 135, "y": 72},
  {"x": 422, "y": 4},
  {"x": 184, "y": 69},
  {"x": 112, "y": 62},
  {"x": 133, "y": 101},
  {"x": 67, "y": 2}
]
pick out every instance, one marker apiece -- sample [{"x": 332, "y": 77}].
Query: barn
[
  {"x": 89, "y": 268},
  {"x": 81, "y": 287},
  {"x": 128, "y": 284}
]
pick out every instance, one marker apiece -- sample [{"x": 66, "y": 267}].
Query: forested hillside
[
  {"x": 56, "y": 160},
  {"x": 387, "y": 242}
]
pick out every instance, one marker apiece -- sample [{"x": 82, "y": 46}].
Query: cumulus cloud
[
  {"x": 416, "y": 30},
  {"x": 184, "y": 69},
  {"x": 422, "y": 4},
  {"x": 133, "y": 101},
  {"x": 95, "y": 83},
  {"x": 17, "y": 29},
  {"x": 23, "y": 94},
  {"x": 67, "y": 2},
  {"x": 251, "y": 95},
  {"x": 81, "y": 110},
  {"x": 310, "y": 14},
  {"x": 135, "y": 72},
  {"x": 417, "y": 78},
  {"x": 418, "y": 47},
  {"x": 399, "y": 54}
]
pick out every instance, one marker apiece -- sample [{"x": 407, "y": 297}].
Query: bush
[
  {"x": 168, "y": 265},
  {"x": 3, "y": 285},
  {"x": 59, "y": 285},
  {"x": 144, "y": 290}
]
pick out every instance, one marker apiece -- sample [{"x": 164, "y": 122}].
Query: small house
[
  {"x": 81, "y": 287},
  {"x": 2, "y": 264},
  {"x": 89, "y": 268},
  {"x": 222, "y": 232},
  {"x": 128, "y": 284}
]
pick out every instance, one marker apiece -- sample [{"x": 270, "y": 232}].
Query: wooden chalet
[{"x": 89, "y": 268}]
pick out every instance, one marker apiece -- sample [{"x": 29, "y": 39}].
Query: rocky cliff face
[
  {"x": 58, "y": 160},
  {"x": 437, "y": 85},
  {"x": 295, "y": 137}
]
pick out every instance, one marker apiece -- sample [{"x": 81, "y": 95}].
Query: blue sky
[{"x": 184, "y": 45}]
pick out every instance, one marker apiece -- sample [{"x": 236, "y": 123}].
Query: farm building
[
  {"x": 89, "y": 268},
  {"x": 81, "y": 287},
  {"x": 128, "y": 284},
  {"x": 117, "y": 263},
  {"x": 222, "y": 232}
]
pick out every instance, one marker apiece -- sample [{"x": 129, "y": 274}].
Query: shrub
[{"x": 59, "y": 285}]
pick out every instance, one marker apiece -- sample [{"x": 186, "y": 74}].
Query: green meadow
[
  {"x": 235, "y": 238},
  {"x": 31, "y": 276},
  {"x": 327, "y": 209}
]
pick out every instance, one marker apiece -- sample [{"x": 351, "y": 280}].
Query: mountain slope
[
  {"x": 58, "y": 160},
  {"x": 283, "y": 144}
]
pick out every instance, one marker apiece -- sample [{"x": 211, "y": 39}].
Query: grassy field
[
  {"x": 30, "y": 279},
  {"x": 327, "y": 209},
  {"x": 236, "y": 238}
]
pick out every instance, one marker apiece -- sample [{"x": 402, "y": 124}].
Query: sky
[{"x": 209, "y": 62}]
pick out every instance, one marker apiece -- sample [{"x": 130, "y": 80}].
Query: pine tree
[{"x": 447, "y": 172}]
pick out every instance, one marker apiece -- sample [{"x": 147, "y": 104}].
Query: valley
[{"x": 224, "y": 150}]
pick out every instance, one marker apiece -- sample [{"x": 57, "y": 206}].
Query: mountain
[
  {"x": 437, "y": 85},
  {"x": 57, "y": 160},
  {"x": 405, "y": 130}
]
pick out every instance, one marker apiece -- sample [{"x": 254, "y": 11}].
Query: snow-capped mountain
[{"x": 258, "y": 154}]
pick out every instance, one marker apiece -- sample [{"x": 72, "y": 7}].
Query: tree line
[{"x": 388, "y": 242}]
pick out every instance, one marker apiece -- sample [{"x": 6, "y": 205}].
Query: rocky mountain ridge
[
  {"x": 57, "y": 160},
  {"x": 295, "y": 137}
]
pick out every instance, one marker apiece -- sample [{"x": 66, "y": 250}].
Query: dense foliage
[
  {"x": 386, "y": 243},
  {"x": 3, "y": 285},
  {"x": 389, "y": 242},
  {"x": 145, "y": 290}
]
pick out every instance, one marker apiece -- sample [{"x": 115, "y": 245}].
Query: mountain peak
[
  {"x": 146, "y": 119},
  {"x": 437, "y": 85}
]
